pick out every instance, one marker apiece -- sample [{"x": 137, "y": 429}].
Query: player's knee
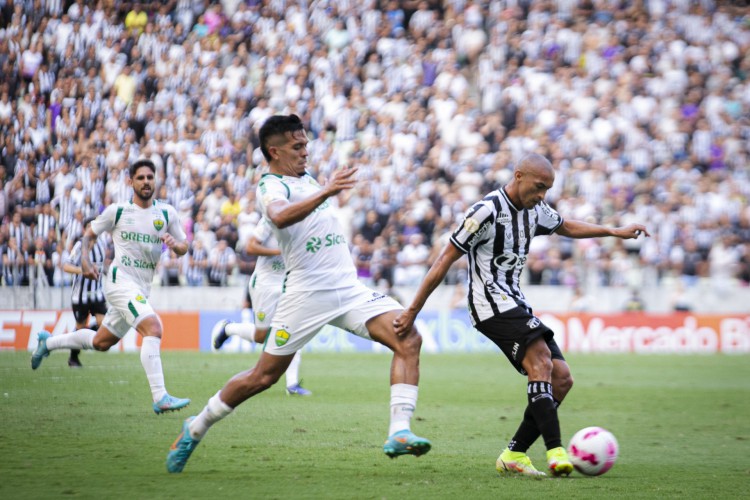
[
  {"x": 101, "y": 345},
  {"x": 563, "y": 383},
  {"x": 260, "y": 335},
  {"x": 412, "y": 343},
  {"x": 150, "y": 327},
  {"x": 538, "y": 366}
]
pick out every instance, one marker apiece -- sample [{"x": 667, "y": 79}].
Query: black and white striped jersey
[
  {"x": 496, "y": 237},
  {"x": 85, "y": 290}
]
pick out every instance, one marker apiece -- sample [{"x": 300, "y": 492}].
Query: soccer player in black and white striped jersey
[
  {"x": 87, "y": 296},
  {"x": 496, "y": 235}
]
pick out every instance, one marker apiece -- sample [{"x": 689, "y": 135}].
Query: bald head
[
  {"x": 535, "y": 164},
  {"x": 532, "y": 178}
]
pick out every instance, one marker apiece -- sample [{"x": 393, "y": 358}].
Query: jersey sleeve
[
  {"x": 479, "y": 217},
  {"x": 74, "y": 257},
  {"x": 262, "y": 231},
  {"x": 174, "y": 226},
  {"x": 270, "y": 188},
  {"x": 105, "y": 222},
  {"x": 548, "y": 220}
]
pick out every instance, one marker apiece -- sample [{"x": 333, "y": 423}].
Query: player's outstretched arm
[
  {"x": 285, "y": 214},
  {"x": 404, "y": 321},
  {"x": 578, "y": 229}
]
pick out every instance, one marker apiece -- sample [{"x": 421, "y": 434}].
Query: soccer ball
[{"x": 593, "y": 451}]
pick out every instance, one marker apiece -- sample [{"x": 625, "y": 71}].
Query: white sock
[
  {"x": 403, "y": 403},
  {"x": 151, "y": 361},
  {"x": 214, "y": 411},
  {"x": 79, "y": 339},
  {"x": 292, "y": 373},
  {"x": 242, "y": 330}
]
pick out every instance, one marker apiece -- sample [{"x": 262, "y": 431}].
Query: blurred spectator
[
  {"x": 579, "y": 300},
  {"x": 170, "y": 269},
  {"x": 635, "y": 302},
  {"x": 411, "y": 261},
  {"x": 197, "y": 264},
  {"x": 221, "y": 263},
  {"x": 641, "y": 109},
  {"x": 136, "y": 20},
  {"x": 362, "y": 254}
]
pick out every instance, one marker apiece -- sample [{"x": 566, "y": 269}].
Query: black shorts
[
  {"x": 81, "y": 312},
  {"x": 512, "y": 331}
]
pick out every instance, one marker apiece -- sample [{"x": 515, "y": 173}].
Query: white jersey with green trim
[
  {"x": 136, "y": 234},
  {"x": 269, "y": 269},
  {"x": 315, "y": 250}
]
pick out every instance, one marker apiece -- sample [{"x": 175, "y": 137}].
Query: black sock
[
  {"x": 527, "y": 432},
  {"x": 543, "y": 408}
]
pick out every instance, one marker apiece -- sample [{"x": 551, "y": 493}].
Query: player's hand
[
  {"x": 89, "y": 271},
  {"x": 404, "y": 322},
  {"x": 633, "y": 231},
  {"x": 169, "y": 240},
  {"x": 341, "y": 179}
]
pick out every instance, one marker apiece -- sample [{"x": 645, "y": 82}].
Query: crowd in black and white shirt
[{"x": 642, "y": 107}]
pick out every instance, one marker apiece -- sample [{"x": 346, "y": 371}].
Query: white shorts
[
  {"x": 300, "y": 315},
  {"x": 128, "y": 304},
  {"x": 264, "y": 297}
]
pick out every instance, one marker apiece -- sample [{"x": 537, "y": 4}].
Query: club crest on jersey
[
  {"x": 282, "y": 337},
  {"x": 261, "y": 315},
  {"x": 158, "y": 224},
  {"x": 141, "y": 299},
  {"x": 533, "y": 322},
  {"x": 471, "y": 225}
]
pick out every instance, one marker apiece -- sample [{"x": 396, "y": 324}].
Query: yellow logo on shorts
[
  {"x": 261, "y": 316},
  {"x": 141, "y": 299},
  {"x": 158, "y": 224},
  {"x": 282, "y": 337}
]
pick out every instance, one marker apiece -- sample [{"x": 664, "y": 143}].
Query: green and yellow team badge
[
  {"x": 282, "y": 337},
  {"x": 261, "y": 315},
  {"x": 140, "y": 298},
  {"x": 158, "y": 224}
]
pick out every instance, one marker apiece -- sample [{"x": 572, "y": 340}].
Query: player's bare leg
[{"x": 404, "y": 385}]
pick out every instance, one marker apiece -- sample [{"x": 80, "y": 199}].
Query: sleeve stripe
[{"x": 458, "y": 245}]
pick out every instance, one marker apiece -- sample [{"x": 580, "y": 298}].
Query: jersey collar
[{"x": 510, "y": 202}]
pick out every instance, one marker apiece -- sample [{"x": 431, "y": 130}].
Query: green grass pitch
[{"x": 683, "y": 424}]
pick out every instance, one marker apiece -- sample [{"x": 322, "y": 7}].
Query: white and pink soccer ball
[{"x": 593, "y": 451}]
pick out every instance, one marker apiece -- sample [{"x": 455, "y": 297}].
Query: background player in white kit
[
  {"x": 139, "y": 229},
  {"x": 320, "y": 288},
  {"x": 264, "y": 290}
]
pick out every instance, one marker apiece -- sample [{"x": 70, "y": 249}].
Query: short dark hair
[
  {"x": 143, "y": 162},
  {"x": 277, "y": 125}
]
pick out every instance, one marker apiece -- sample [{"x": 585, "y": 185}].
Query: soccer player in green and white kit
[
  {"x": 139, "y": 229},
  {"x": 321, "y": 287},
  {"x": 265, "y": 291}
]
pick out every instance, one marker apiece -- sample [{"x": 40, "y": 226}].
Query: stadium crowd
[{"x": 642, "y": 106}]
